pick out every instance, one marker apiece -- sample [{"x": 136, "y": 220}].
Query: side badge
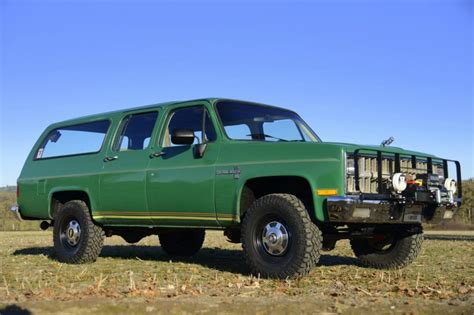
[{"x": 235, "y": 172}]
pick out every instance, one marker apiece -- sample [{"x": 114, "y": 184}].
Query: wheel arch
[
  {"x": 256, "y": 187},
  {"x": 60, "y": 196}
]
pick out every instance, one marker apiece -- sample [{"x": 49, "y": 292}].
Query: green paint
[{"x": 138, "y": 190}]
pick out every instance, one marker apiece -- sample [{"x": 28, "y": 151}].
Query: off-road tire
[
  {"x": 404, "y": 249},
  {"x": 304, "y": 242},
  {"x": 91, "y": 239},
  {"x": 186, "y": 242},
  {"x": 246, "y": 200}
]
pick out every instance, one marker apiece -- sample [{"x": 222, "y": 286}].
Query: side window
[
  {"x": 195, "y": 118},
  {"x": 135, "y": 132},
  {"x": 124, "y": 144},
  {"x": 241, "y": 132},
  {"x": 73, "y": 140}
]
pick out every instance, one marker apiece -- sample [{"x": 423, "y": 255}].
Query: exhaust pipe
[{"x": 44, "y": 225}]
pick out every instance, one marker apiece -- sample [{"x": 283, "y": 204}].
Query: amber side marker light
[{"x": 326, "y": 192}]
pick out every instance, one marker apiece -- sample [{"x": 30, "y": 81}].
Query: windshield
[{"x": 243, "y": 121}]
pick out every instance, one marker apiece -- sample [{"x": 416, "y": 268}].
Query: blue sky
[{"x": 357, "y": 71}]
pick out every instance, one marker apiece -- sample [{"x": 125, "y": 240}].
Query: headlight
[
  {"x": 451, "y": 185},
  {"x": 350, "y": 169},
  {"x": 399, "y": 182}
]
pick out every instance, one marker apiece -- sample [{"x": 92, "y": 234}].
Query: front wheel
[
  {"x": 392, "y": 249},
  {"x": 76, "y": 238},
  {"x": 278, "y": 237}
]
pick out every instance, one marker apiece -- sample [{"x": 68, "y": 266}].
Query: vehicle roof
[{"x": 105, "y": 115}]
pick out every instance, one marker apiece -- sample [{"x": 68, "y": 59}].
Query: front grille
[{"x": 368, "y": 174}]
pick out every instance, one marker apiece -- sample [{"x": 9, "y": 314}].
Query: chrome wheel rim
[
  {"x": 73, "y": 233},
  {"x": 275, "y": 238}
]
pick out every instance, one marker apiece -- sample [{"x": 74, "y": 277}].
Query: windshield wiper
[{"x": 262, "y": 135}]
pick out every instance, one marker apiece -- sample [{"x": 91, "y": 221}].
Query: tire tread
[
  {"x": 172, "y": 242},
  {"x": 93, "y": 236},
  {"x": 403, "y": 254},
  {"x": 311, "y": 254}
]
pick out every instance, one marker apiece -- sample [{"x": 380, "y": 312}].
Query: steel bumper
[
  {"x": 16, "y": 210},
  {"x": 356, "y": 210}
]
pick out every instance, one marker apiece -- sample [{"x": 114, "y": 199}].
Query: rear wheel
[
  {"x": 278, "y": 237},
  {"x": 186, "y": 242},
  {"x": 132, "y": 238},
  {"x": 389, "y": 249},
  {"x": 76, "y": 238}
]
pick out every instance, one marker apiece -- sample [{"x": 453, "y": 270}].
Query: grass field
[{"x": 142, "y": 279}]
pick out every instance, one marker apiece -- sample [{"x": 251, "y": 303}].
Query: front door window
[{"x": 195, "y": 118}]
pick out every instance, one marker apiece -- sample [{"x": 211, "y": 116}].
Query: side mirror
[
  {"x": 182, "y": 136},
  {"x": 199, "y": 150}
]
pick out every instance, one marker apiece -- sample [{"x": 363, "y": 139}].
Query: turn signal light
[{"x": 326, "y": 192}]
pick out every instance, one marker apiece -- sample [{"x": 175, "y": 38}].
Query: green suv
[{"x": 257, "y": 172}]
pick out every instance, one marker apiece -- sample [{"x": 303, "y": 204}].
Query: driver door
[{"x": 180, "y": 183}]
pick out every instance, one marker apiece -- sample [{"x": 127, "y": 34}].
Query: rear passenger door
[{"x": 122, "y": 184}]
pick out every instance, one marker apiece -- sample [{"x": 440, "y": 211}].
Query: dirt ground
[{"x": 143, "y": 280}]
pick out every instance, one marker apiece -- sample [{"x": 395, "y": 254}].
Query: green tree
[{"x": 466, "y": 212}]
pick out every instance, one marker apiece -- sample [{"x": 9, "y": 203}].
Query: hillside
[
  {"x": 8, "y": 188},
  {"x": 8, "y": 222},
  {"x": 466, "y": 213}
]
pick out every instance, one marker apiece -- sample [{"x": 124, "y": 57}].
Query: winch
[{"x": 430, "y": 188}]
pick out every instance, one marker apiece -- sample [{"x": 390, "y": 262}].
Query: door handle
[
  {"x": 157, "y": 154},
  {"x": 110, "y": 158}
]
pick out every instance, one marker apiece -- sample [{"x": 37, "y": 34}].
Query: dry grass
[{"x": 144, "y": 279}]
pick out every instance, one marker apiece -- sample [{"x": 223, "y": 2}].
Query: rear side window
[
  {"x": 73, "y": 140},
  {"x": 135, "y": 132}
]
